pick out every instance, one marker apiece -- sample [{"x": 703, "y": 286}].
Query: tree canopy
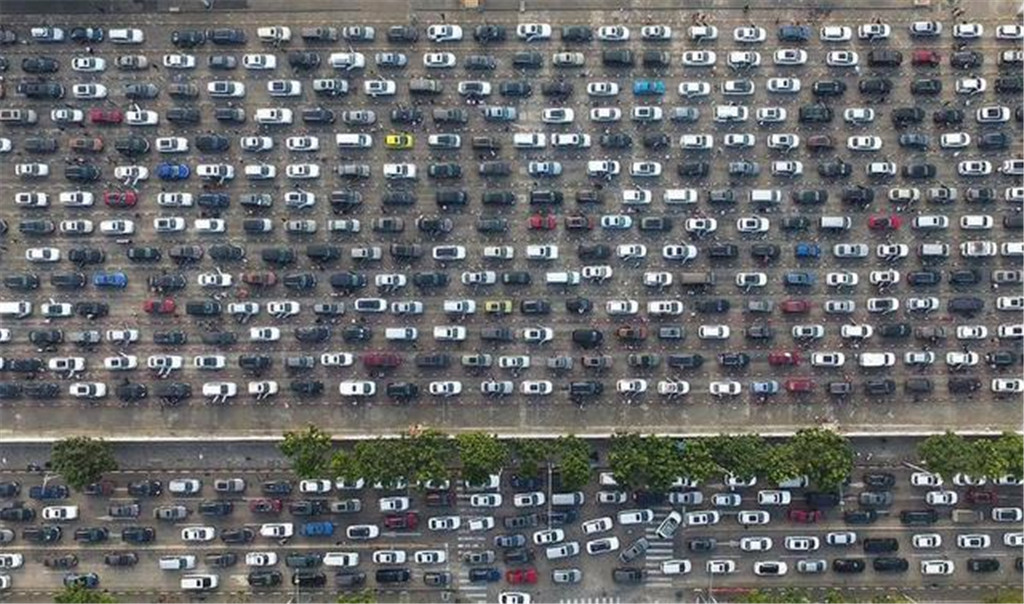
[
  {"x": 81, "y": 460},
  {"x": 309, "y": 451}
]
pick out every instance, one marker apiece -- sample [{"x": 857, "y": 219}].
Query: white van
[
  {"x": 354, "y": 141},
  {"x": 562, "y": 278},
  {"x": 835, "y": 223},
  {"x": 872, "y": 360},
  {"x": 767, "y": 196},
  {"x": 933, "y": 250},
  {"x": 17, "y": 310},
  {"x": 679, "y": 196},
  {"x": 199, "y": 582},
  {"x": 183, "y": 562},
  {"x": 401, "y": 334},
  {"x": 529, "y": 140},
  {"x": 574, "y": 499}
]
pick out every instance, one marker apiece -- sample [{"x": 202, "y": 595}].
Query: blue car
[
  {"x": 87, "y": 580},
  {"x": 53, "y": 491},
  {"x": 769, "y": 387},
  {"x": 317, "y": 529},
  {"x": 808, "y": 250},
  {"x": 173, "y": 171},
  {"x": 800, "y": 278},
  {"x": 484, "y": 575},
  {"x": 648, "y": 87},
  {"x": 117, "y": 279},
  {"x": 794, "y": 33}
]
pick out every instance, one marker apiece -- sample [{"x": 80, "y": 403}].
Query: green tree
[
  {"x": 741, "y": 454},
  {"x": 1005, "y": 596},
  {"x": 574, "y": 461},
  {"x": 81, "y": 460},
  {"x": 946, "y": 454},
  {"x": 787, "y": 595},
  {"x": 778, "y": 463},
  {"x": 81, "y": 595},
  {"x": 428, "y": 456},
  {"x": 823, "y": 455},
  {"x": 531, "y": 454},
  {"x": 481, "y": 455},
  {"x": 695, "y": 460},
  {"x": 308, "y": 451},
  {"x": 1009, "y": 450},
  {"x": 646, "y": 462},
  {"x": 363, "y": 596},
  {"x": 892, "y": 597}
]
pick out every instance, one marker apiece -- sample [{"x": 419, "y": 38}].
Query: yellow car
[
  {"x": 398, "y": 141},
  {"x": 498, "y": 307}
]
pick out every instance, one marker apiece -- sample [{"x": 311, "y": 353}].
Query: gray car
[
  {"x": 634, "y": 551},
  {"x": 876, "y": 499}
]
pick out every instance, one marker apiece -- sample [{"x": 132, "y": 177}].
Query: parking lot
[
  {"x": 731, "y": 543},
  {"x": 796, "y": 262}
]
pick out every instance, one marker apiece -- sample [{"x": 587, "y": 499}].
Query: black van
[
  {"x": 919, "y": 517},
  {"x": 881, "y": 545},
  {"x": 393, "y": 575}
]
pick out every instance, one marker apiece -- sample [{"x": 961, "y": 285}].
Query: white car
[
  {"x": 755, "y": 544},
  {"x": 531, "y": 32},
  {"x": 438, "y": 60},
  {"x": 357, "y": 388},
  {"x": 444, "y": 523},
  {"x": 749, "y": 35},
  {"x": 838, "y": 538},
  {"x": 605, "y": 114},
  {"x": 702, "y": 518},
  {"x": 773, "y": 497},
  {"x": 926, "y": 541},
  {"x": 631, "y": 386},
  {"x": 557, "y": 115},
  {"x": 700, "y": 226},
  {"x": 548, "y": 537},
  {"x": 302, "y": 171},
  {"x": 261, "y": 559},
  {"x": 485, "y": 500},
  {"x": 141, "y": 117},
  {"x": 259, "y": 61},
  {"x": 302, "y": 143},
  {"x": 720, "y": 567},
  {"x": 679, "y": 252},
  {"x": 375, "y": 88},
  {"x": 937, "y": 567},
  {"x": 864, "y": 143},
  {"x": 835, "y": 33},
  {"x": 968, "y": 31},
  {"x": 725, "y": 388},
  {"x": 179, "y": 60},
  {"x": 693, "y": 89},
  {"x": 699, "y": 58},
  {"x": 444, "y": 33},
  {"x": 613, "y": 33},
  {"x": 973, "y": 541},
  {"x": 784, "y": 85},
  {"x": 628, "y": 517},
  {"x": 828, "y": 359},
  {"x": 752, "y": 224},
  {"x": 597, "y": 525},
  {"x": 60, "y": 512},
  {"x": 389, "y": 556},
  {"x": 801, "y": 544},
  {"x": 790, "y": 56},
  {"x": 859, "y": 115},
  {"x": 842, "y": 58},
  {"x": 675, "y": 567},
  {"x": 89, "y": 64},
  {"x": 198, "y": 534},
  {"x": 971, "y": 85},
  {"x": 445, "y": 388},
  {"x": 713, "y": 332},
  {"x": 941, "y": 498},
  {"x": 430, "y": 556},
  {"x": 602, "y": 89},
  {"x": 874, "y": 31},
  {"x": 664, "y": 32},
  {"x": 89, "y": 91}
]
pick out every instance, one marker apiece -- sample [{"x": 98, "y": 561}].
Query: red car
[
  {"x": 628, "y": 332},
  {"x": 782, "y": 357},
  {"x": 543, "y": 223},
  {"x": 407, "y": 521},
  {"x": 884, "y": 223},
  {"x": 159, "y": 307},
  {"x": 926, "y": 57},
  {"x": 264, "y": 279},
  {"x": 579, "y": 223},
  {"x": 800, "y": 385},
  {"x": 805, "y": 516},
  {"x": 978, "y": 496},
  {"x": 381, "y": 359},
  {"x": 105, "y": 116},
  {"x": 265, "y": 506},
  {"x": 120, "y": 199},
  {"x": 521, "y": 575},
  {"x": 795, "y": 306}
]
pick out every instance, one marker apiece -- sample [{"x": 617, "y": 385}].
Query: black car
[
  {"x": 948, "y": 117},
  {"x": 994, "y": 140},
  {"x": 406, "y": 115},
  {"x": 693, "y": 169},
  {"x": 617, "y": 58},
  {"x": 913, "y": 140},
  {"x": 858, "y": 194},
  {"x": 829, "y": 88},
  {"x": 40, "y": 90},
  {"x": 848, "y": 565},
  {"x": 92, "y": 310},
  {"x": 41, "y": 390},
  {"x": 919, "y": 517},
  {"x": 712, "y": 305},
  {"x": 264, "y": 578},
  {"x": 138, "y": 534},
  {"x": 577, "y": 33},
  {"x": 131, "y": 392},
  {"x": 172, "y": 392},
  {"x": 317, "y": 579},
  {"x": 918, "y": 171},
  {"x": 534, "y": 307},
  {"x": 350, "y": 281},
  {"x": 17, "y": 513},
  {"x": 188, "y": 38},
  {"x": 529, "y": 59},
  {"x": 141, "y": 91},
  {"x": 559, "y": 89},
  {"x": 966, "y": 59},
  {"x": 834, "y": 169},
  {"x": 875, "y": 86},
  {"x": 902, "y": 116},
  {"x": 515, "y": 88},
  {"x": 733, "y": 359},
  {"x": 216, "y": 508},
  {"x": 318, "y": 115},
  {"x": 121, "y": 559},
  {"x": 304, "y": 60},
  {"x": 22, "y": 281},
  {"x": 39, "y": 65},
  {"x": 489, "y": 33},
  {"x": 68, "y": 280},
  {"x": 182, "y": 115},
  {"x": 587, "y": 338},
  {"x": 881, "y": 545},
  {"x": 860, "y": 516},
  {"x": 226, "y": 252},
  {"x": 238, "y": 535},
  {"x": 145, "y": 488},
  {"x": 877, "y": 387},
  {"x": 815, "y": 114},
  {"x": 144, "y": 254},
  {"x": 131, "y": 146},
  {"x": 922, "y": 278},
  {"x": 963, "y": 385},
  {"x": 212, "y": 143},
  {"x": 578, "y": 305},
  {"x": 982, "y": 565},
  {"x": 82, "y": 256},
  {"x": 170, "y": 338},
  {"x": 9, "y": 390},
  {"x": 402, "y": 33},
  {"x": 616, "y": 140},
  {"x": 402, "y": 390},
  {"x": 226, "y": 35},
  {"x": 929, "y": 86}
]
